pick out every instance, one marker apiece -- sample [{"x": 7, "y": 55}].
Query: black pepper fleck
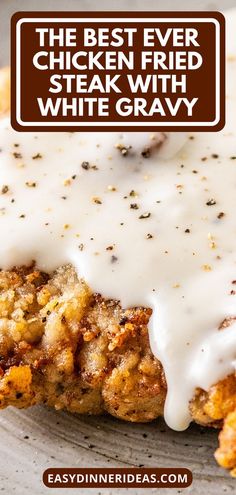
[
  {"x": 85, "y": 165},
  {"x": 37, "y": 156},
  {"x": 146, "y": 153},
  {"x": 211, "y": 202},
  {"x": 5, "y": 189},
  {"x": 145, "y": 215},
  {"x": 114, "y": 259},
  {"x": 17, "y": 155}
]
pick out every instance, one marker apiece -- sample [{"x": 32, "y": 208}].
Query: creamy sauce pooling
[{"x": 145, "y": 230}]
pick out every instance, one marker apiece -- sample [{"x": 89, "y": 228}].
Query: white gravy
[{"x": 158, "y": 231}]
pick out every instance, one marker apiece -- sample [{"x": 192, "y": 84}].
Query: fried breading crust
[
  {"x": 74, "y": 350},
  {"x": 64, "y": 346}
]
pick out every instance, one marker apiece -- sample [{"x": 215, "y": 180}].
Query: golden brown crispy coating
[
  {"x": 78, "y": 351},
  {"x": 226, "y": 453},
  {"x": 66, "y": 347}
]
